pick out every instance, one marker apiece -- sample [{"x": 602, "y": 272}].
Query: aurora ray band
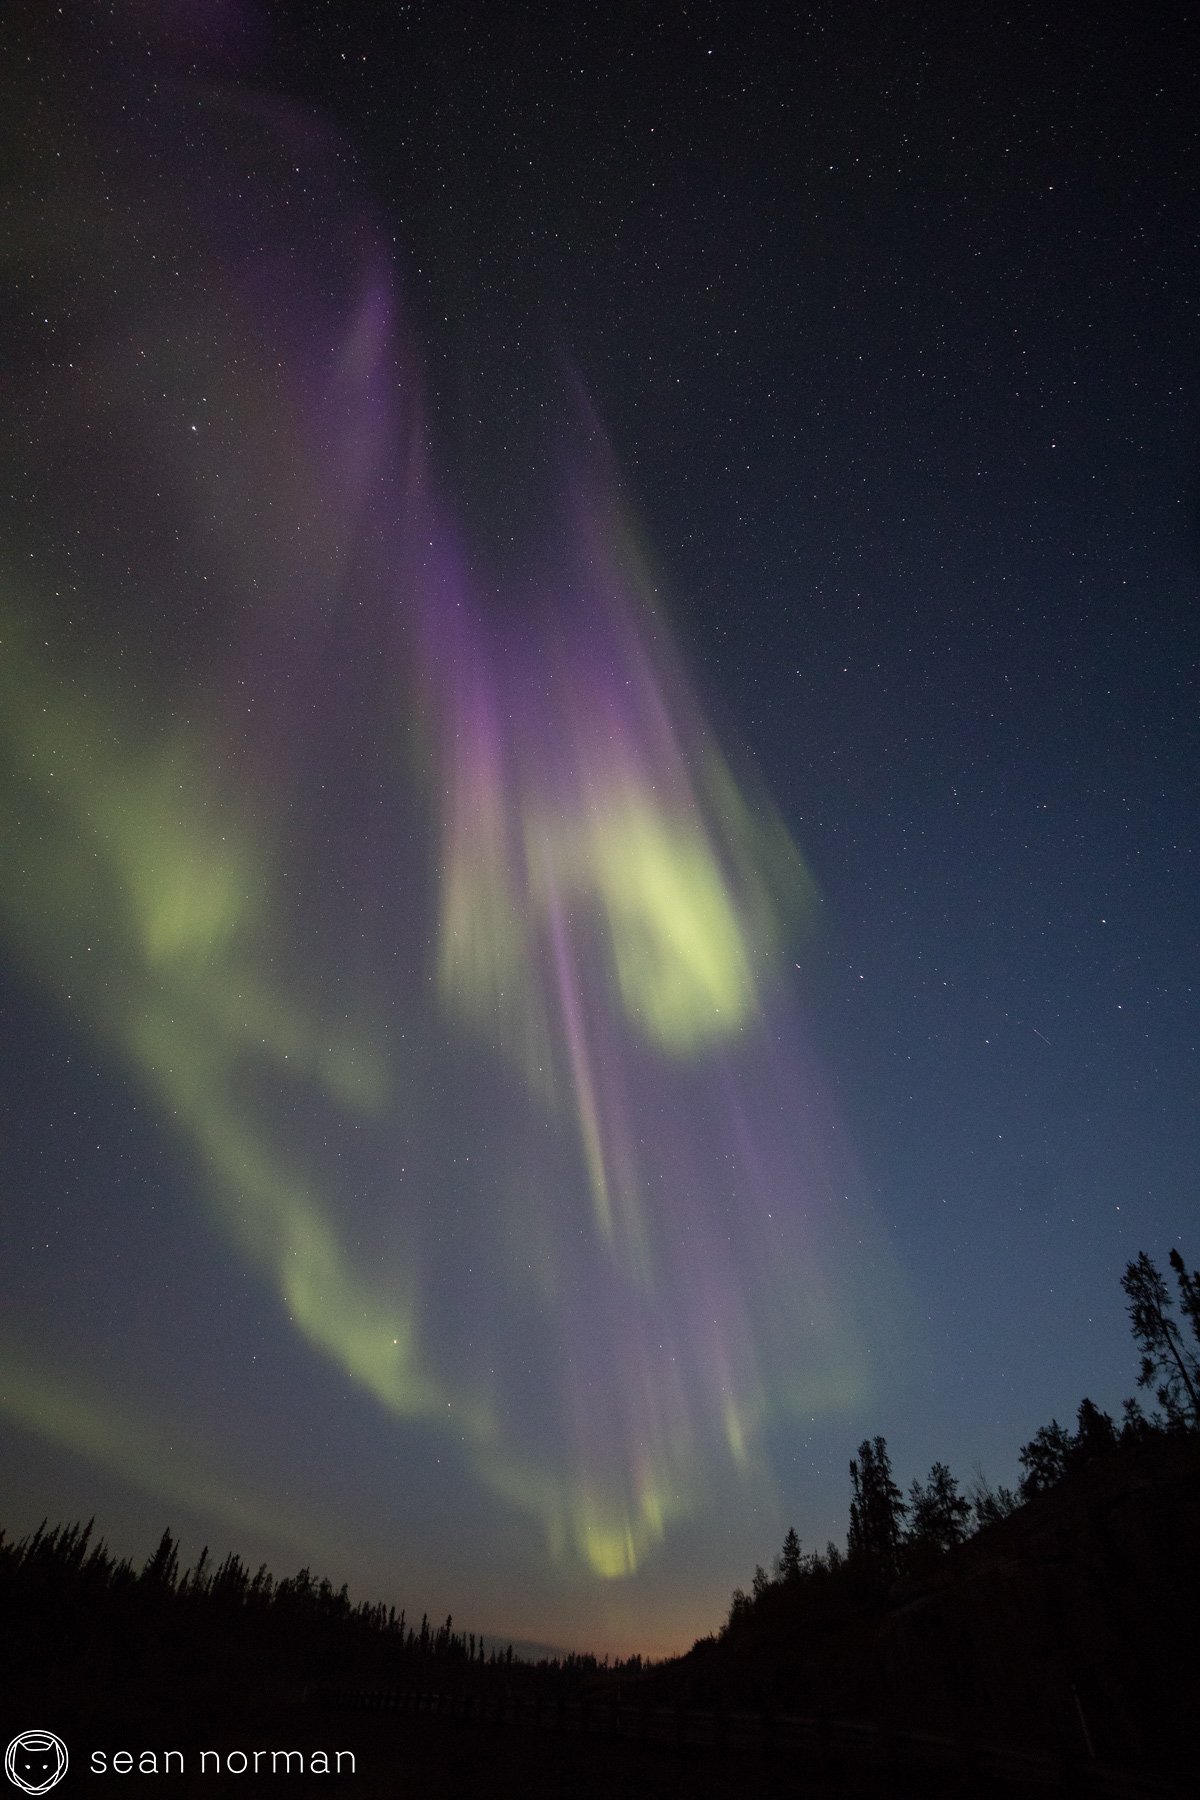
[{"x": 421, "y": 905}]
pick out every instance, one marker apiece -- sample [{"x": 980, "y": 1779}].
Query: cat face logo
[{"x": 36, "y": 1760}]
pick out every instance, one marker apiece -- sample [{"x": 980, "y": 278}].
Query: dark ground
[{"x": 444, "y": 1758}]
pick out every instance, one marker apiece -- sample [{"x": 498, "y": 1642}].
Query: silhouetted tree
[
  {"x": 938, "y": 1513},
  {"x": 739, "y": 1608},
  {"x": 162, "y": 1568},
  {"x": 1044, "y": 1459},
  {"x": 1095, "y": 1433},
  {"x": 1189, "y": 1291},
  {"x": 788, "y": 1561},
  {"x": 991, "y": 1504},
  {"x": 1165, "y": 1358},
  {"x": 196, "y": 1581},
  {"x": 876, "y": 1511},
  {"x": 1135, "y": 1426}
]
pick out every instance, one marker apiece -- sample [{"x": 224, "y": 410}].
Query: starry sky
[{"x": 598, "y": 771}]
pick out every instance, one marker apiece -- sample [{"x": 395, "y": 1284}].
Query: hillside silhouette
[
  {"x": 1054, "y": 1624},
  {"x": 1061, "y": 1618}
]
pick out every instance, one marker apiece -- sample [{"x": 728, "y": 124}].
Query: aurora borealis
[
  {"x": 577, "y": 917},
  {"x": 439, "y": 1094}
]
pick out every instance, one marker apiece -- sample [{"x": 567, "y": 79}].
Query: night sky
[{"x": 598, "y": 773}]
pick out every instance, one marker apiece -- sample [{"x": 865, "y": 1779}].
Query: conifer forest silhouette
[{"x": 964, "y": 1639}]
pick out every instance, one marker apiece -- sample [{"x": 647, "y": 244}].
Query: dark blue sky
[{"x": 891, "y": 323}]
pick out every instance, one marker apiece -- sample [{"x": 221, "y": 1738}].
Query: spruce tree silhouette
[
  {"x": 939, "y": 1515},
  {"x": 1189, "y": 1291},
  {"x": 1044, "y": 1459},
  {"x": 1166, "y": 1359},
  {"x": 1095, "y": 1433},
  {"x": 788, "y": 1561},
  {"x": 876, "y": 1512}
]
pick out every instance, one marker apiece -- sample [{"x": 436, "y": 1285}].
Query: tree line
[
  {"x": 76, "y": 1618},
  {"x": 67, "y": 1562},
  {"x": 99, "y": 1624},
  {"x": 892, "y": 1534}
]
